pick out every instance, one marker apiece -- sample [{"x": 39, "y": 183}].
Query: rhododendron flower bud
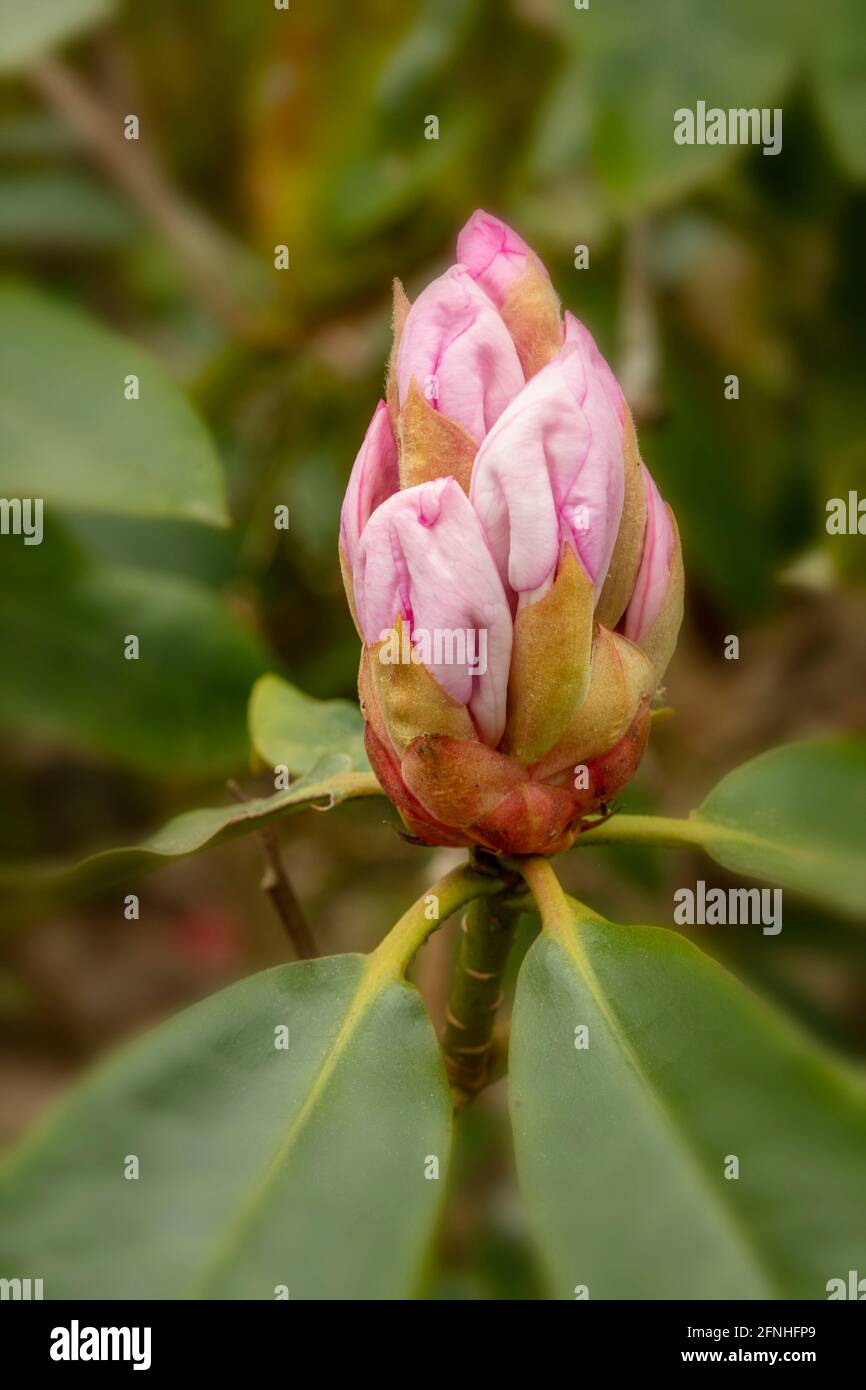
[
  {"x": 494, "y": 255},
  {"x": 514, "y": 574},
  {"x": 518, "y": 284}
]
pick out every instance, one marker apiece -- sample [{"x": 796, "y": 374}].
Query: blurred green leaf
[
  {"x": 726, "y": 496},
  {"x": 205, "y": 553},
  {"x": 292, "y": 729},
  {"x": 629, "y": 66},
  {"x": 25, "y": 135},
  {"x": 54, "y": 208},
  {"x": 622, "y": 1147},
  {"x": 178, "y": 709},
  {"x": 795, "y": 815},
  {"x": 430, "y": 44},
  {"x": 28, "y": 28},
  {"x": 838, "y": 61},
  {"x": 838, "y": 440},
  {"x": 641, "y": 63},
  {"x": 261, "y": 1166},
  {"x": 329, "y": 783},
  {"x": 69, "y": 435}
]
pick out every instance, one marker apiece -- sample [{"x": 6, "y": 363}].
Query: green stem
[
  {"x": 645, "y": 830},
  {"x": 460, "y": 886},
  {"x": 487, "y": 933},
  {"x": 553, "y": 906}
]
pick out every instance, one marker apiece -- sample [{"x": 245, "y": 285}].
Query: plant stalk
[
  {"x": 468, "y": 1041},
  {"x": 278, "y": 887}
]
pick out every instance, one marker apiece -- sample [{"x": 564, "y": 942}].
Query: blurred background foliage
[{"x": 306, "y": 128}]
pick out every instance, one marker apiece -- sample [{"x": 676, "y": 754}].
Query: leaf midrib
[
  {"x": 372, "y": 980},
  {"x": 572, "y": 945}
]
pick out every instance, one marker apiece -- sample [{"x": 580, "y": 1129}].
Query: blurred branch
[
  {"x": 275, "y": 882},
  {"x": 639, "y": 365},
  {"x": 211, "y": 263},
  {"x": 277, "y": 885}
]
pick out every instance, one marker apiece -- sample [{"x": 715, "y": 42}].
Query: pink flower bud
[
  {"x": 423, "y": 558},
  {"x": 551, "y": 471},
  {"x": 459, "y": 351},
  {"x": 494, "y": 255},
  {"x": 516, "y": 622},
  {"x": 374, "y": 477},
  {"x": 577, "y": 333},
  {"x": 654, "y": 572}
]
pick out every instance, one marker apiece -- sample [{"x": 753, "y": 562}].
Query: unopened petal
[
  {"x": 373, "y": 479},
  {"x": 494, "y": 254},
  {"x": 423, "y": 558},
  {"x": 653, "y": 575},
  {"x": 551, "y": 470},
  {"x": 457, "y": 348},
  {"x": 596, "y": 363}
]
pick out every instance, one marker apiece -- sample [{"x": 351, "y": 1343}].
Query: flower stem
[
  {"x": 648, "y": 830},
  {"x": 548, "y": 893},
  {"x": 460, "y": 886},
  {"x": 487, "y": 933}
]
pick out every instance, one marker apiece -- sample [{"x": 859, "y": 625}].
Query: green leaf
[
  {"x": 69, "y": 435},
  {"x": 259, "y": 1166},
  {"x": 795, "y": 816},
  {"x": 58, "y": 208},
  {"x": 329, "y": 783},
  {"x": 291, "y": 729},
  {"x": 732, "y": 55},
  {"x": 178, "y": 708},
  {"x": 622, "y": 1147},
  {"x": 27, "y": 30},
  {"x": 838, "y": 56},
  {"x": 429, "y": 47}
]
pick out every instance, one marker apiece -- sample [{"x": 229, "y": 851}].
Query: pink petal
[
  {"x": 494, "y": 254},
  {"x": 551, "y": 470},
  {"x": 423, "y": 557},
  {"x": 459, "y": 351},
  {"x": 577, "y": 332},
  {"x": 651, "y": 584},
  {"x": 374, "y": 477}
]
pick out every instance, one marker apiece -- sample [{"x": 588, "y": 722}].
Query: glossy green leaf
[
  {"x": 795, "y": 816},
  {"x": 179, "y": 708},
  {"x": 69, "y": 435},
  {"x": 622, "y": 1147},
  {"x": 329, "y": 783},
  {"x": 28, "y": 30},
  {"x": 291, "y": 729},
  {"x": 260, "y": 1166}
]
